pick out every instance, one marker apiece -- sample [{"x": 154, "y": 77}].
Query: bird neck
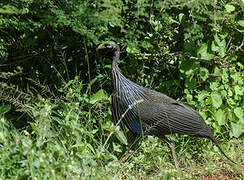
[
  {"x": 116, "y": 56},
  {"x": 115, "y": 67}
]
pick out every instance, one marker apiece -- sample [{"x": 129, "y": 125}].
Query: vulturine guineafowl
[{"x": 149, "y": 112}]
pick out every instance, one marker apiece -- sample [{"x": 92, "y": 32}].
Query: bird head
[{"x": 111, "y": 46}]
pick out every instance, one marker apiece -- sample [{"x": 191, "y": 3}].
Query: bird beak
[{"x": 101, "y": 46}]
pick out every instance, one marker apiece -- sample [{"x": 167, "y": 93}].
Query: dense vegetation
[{"x": 55, "y": 114}]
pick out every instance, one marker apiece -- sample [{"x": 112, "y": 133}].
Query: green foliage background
[{"x": 55, "y": 88}]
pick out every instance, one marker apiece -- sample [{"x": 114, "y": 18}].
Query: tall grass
[{"x": 72, "y": 137}]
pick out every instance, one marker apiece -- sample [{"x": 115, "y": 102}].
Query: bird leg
[
  {"x": 172, "y": 149},
  {"x": 126, "y": 156},
  {"x": 132, "y": 150}
]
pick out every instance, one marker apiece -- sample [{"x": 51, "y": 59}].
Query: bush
[{"x": 55, "y": 87}]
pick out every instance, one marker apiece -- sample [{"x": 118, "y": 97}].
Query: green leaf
[
  {"x": 214, "y": 47},
  {"x": 190, "y": 48},
  {"x": 117, "y": 148},
  {"x": 237, "y": 129},
  {"x": 219, "y": 44},
  {"x": 216, "y": 39},
  {"x": 173, "y": 21},
  {"x": 204, "y": 73},
  {"x": 109, "y": 126},
  {"x": 181, "y": 15},
  {"x": 4, "y": 109},
  {"x": 240, "y": 30},
  {"x": 9, "y": 9},
  {"x": 218, "y": 70},
  {"x": 216, "y": 99},
  {"x": 238, "y": 90},
  {"x": 222, "y": 49},
  {"x": 202, "y": 95},
  {"x": 240, "y": 65},
  {"x": 191, "y": 83},
  {"x": 241, "y": 23},
  {"x": 214, "y": 86},
  {"x": 221, "y": 117},
  {"x": 108, "y": 66},
  {"x": 203, "y": 52},
  {"x": 55, "y": 118},
  {"x": 229, "y": 8},
  {"x": 98, "y": 96},
  {"x": 203, "y": 114},
  {"x": 230, "y": 93},
  {"x": 189, "y": 67},
  {"x": 121, "y": 137},
  {"x": 239, "y": 113}
]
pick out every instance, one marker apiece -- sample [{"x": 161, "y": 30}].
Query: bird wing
[
  {"x": 184, "y": 120},
  {"x": 164, "y": 115}
]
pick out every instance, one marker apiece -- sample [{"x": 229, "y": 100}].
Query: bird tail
[{"x": 220, "y": 149}]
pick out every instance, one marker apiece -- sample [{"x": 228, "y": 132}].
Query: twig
[{"x": 215, "y": 75}]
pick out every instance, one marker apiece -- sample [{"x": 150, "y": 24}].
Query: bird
[{"x": 148, "y": 112}]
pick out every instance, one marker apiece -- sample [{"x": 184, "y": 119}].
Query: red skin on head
[{"x": 117, "y": 48}]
